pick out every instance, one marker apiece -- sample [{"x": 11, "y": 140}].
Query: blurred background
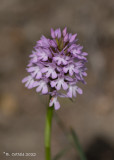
[{"x": 22, "y": 111}]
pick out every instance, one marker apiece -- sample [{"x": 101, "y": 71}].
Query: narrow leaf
[
  {"x": 61, "y": 153},
  {"x": 77, "y": 144}
]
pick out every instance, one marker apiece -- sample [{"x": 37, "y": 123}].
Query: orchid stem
[{"x": 49, "y": 116}]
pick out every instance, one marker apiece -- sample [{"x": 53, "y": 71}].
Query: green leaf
[
  {"x": 61, "y": 153},
  {"x": 77, "y": 144}
]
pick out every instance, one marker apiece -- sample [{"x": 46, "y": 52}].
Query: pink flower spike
[{"x": 56, "y": 65}]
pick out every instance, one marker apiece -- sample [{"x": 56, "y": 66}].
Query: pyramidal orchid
[
  {"x": 55, "y": 68},
  {"x": 57, "y": 65}
]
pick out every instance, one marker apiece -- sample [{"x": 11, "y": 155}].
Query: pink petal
[
  {"x": 51, "y": 103},
  {"x": 64, "y": 31},
  {"x": 25, "y": 79},
  {"x": 76, "y": 70},
  {"x": 38, "y": 89},
  {"x": 74, "y": 92},
  {"x": 31, "y": 69},
  {"x": 44, "y": 70},
  {"x": 58, "y": 86},
  {"x": 66, "y": 38},
  {"x": 58, "y": 33},
  {"x": 72, "y": 38},
  {"x": 65, "y": 69},
  {"x": 79, "y": 90},
  {"x": 27, "y": 83},
  {"x": 84, "y": 54},
  {"x": 69, "y": 94},
  {"x": 53, "y": 83},
  {"x": 48, "y": 74},
  {"x": 57, "y": 105},
  {"x": 84, "y": 74},
  {"x": 31, "y": 84},
  {"x": 59, "y": 62},
  {"x": 64, "y": 85},
  {"x": 52, "y": 33},
  {"x": 70, "y": 72},
  {"x": 39, "y": 75},
  {"x": 64, "y": 62},
  {"x": 54, "y": 75},
  {"x": 35, "y": 84},
  {"x": 45, "y": 89},
  {"x": 45, "y": 58}
]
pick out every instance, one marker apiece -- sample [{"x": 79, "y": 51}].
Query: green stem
[{"x": 48, "y": 132}]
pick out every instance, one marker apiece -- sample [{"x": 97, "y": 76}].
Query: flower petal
[
  {"x": 52, "y": 33},
  {"x": 25, "y": 79},
  {"x": 53, "y": 83},
  {"x": 38, "y": 89},
  {"x": 74, "y": 92},
  {"x": 69, "y": 94},
  {"x": 79, "y": 90},
  {"x": 72, "y": 38},
  {"x": 64, "y": 85},
  {"x": 58, "y": 85},
  {"x": 66, "y": 38},
  {"x": 39, "y": 75},
  {"x": 45, "y": 89},
  {"x": 43, "y": 70},
  {"x": 64, "y": 31},
  {"x": 54, "y": 75},
  {"x": 56, "y": 105},
  {"x": 65, "y": 69}
]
